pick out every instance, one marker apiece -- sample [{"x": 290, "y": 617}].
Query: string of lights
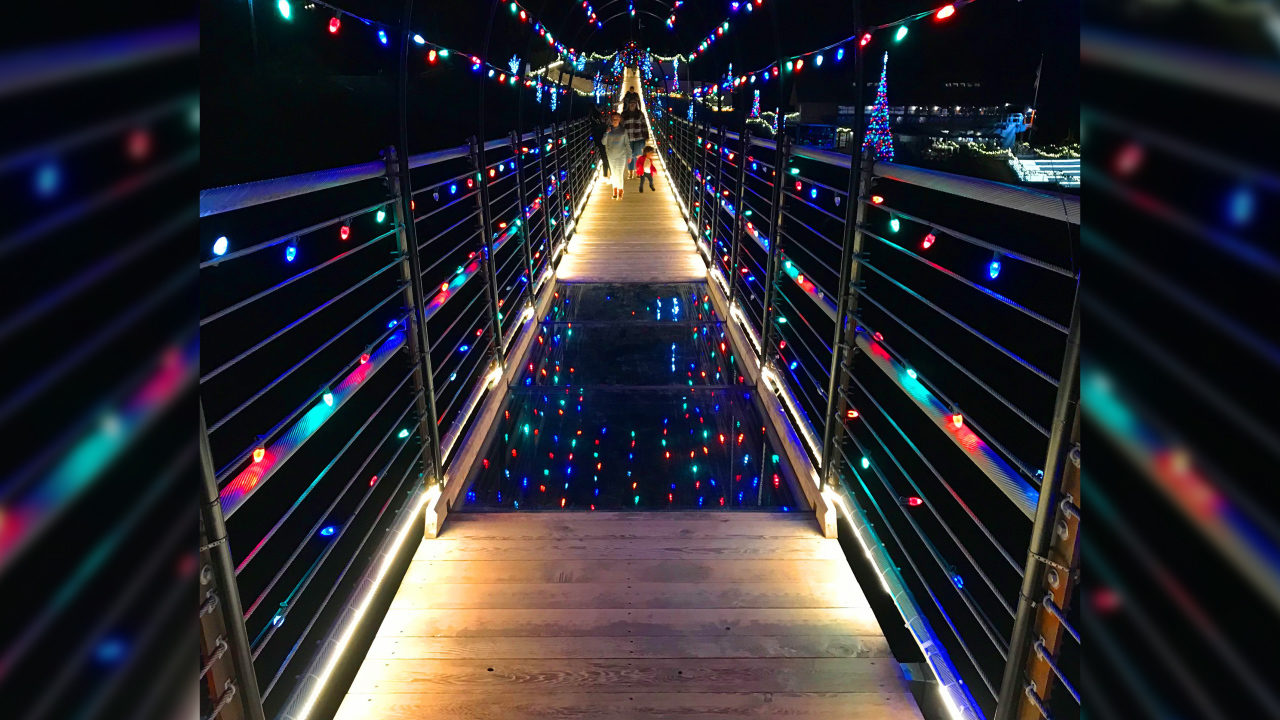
[
  {"x": 818, "y": 56},
  {"x": 671, "y": 19},
  {"x": 434, "y": 52},
  {"x": 591, "y": 14},
  {"x": 724, "y": 26}
]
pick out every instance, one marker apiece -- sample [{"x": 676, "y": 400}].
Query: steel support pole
[
  {"x": 555, "y": 185},
  {"x": 739, "y": 205},
  {"x": 843, "y": 347},
  {"x": 715, "y": 217},
  {"x": 783, "y": 152},
  {"x": 1065, "y": 407},
  {"x": 486, "y": 247},
  {"x": 524, "y": 216},
  {"x": 397, "y": 179},
  {"x": 214, "y": 540}
]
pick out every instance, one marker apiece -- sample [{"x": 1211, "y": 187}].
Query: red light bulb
[
  {"x": 259, "y": 453},
  {"x": 878, "y": 337},
  {"x": 851, "y": 414},
  {"x": 364, "y": 358},
  {"x": 957, "y": 419},
  {"x": 945, "y": 12},
  {"x": 431, "y": 55},
  {"x": 914, "y": 501},
  {"x": 928, "y": 241},
  {"x": 865, "y": 39},
  {"x": 876, "y": 199},
  {"x": 334, "y": 24},
  {"x": 344, "y": 232}
]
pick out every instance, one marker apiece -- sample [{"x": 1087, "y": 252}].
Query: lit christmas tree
[
  {"x": 755, "y": 104},
  {"x": 878, "y": 134}
]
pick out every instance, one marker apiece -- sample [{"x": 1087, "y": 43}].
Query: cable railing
[
  {"x": 324, "y": 447},
  {"x": 921, "y": 330}
]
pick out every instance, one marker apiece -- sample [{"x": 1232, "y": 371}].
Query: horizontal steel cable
[
  {"x": 376, "y": 306},
  {"x": 982, "y": 675},
  {"x": 293, "y": 235},
  {"x": 271, "y": 532},
  {"x": 938, "y": 309},
  {"x": 986, "y": 291},
  {"x": 289, "y": 281},
  {"x": 218, "y": 370},
  {"x": 1013, "y": 564}
]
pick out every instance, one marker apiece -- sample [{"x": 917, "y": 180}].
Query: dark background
[{"x": 301, "y": 99}]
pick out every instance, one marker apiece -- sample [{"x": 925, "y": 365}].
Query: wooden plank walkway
[
  {"x": 638, "y": 239},
  {"x": 641, "y": 238},
  {"x": 629, "y": 615}
]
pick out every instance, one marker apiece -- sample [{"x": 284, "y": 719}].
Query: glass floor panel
[
  {"x": 574, "y": 354},
  {"x": 630, "y": 400},
  {"x": 604, "y": 302},
  {"x": 607, "y": 449}
]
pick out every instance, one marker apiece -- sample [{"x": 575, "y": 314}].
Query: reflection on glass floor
[
  {"x": 604, "y": 449},
  {"x": 630, "y": 399}
]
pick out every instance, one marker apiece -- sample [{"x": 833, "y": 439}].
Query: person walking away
[
  {"x": 637, "y": 132},
  {"x": 599, "y": 126},
  {"x": 631, "y": 95},
  {"x": 646, "y": 166},
  {"x": 618, "y": 149}
]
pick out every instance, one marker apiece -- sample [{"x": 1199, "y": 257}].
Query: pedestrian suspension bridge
[{"x": 755, "y": 444}]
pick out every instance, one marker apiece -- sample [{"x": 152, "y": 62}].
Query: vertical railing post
[
  {"x": 843, "y": 346},
  {"x": 555, "y": 185},
  {"x": 486, "y": 247},
  {"x": 1063, "y": 448},
  {"x": 776, "y": 201},
  {"x": 521, "y": 204},
  {"x": 739, "y": 203},
  {"x": 398, "y": 187},
  {"x": 221, "y": 602},
  {"x": 715, "y": 217},
  {"x": 700, "y": 178}
]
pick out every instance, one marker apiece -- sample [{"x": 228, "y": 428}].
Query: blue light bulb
[
  {"x": 382, "y": 36},
  {"x": 48, "y": 179},
  {"x": 220, "y": 245},
  {"x": 328, "y": 530},
  {"x": 839, "y": 54},
  {"x": 993, "y": 269},
  {"x": 291, "y": 252}
]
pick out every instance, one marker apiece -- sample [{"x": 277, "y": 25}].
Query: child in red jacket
[{"x": 646, "y": 166}]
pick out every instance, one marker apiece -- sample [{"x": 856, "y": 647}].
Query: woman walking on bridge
[
  {"x": 637, "y": 132},
  {"x": 617, "y": 146}
]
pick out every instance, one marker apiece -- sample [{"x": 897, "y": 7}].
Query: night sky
[{"x": 302, "y": 99}]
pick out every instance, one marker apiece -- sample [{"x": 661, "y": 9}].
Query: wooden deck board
[
  {"x": 620, "y": 706},
  {"x": 689, "y": 675},
  {"x": 740, "y": 646},
  {"x": 629, "y": 615},
  {"x": 764, "y": 594}
]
